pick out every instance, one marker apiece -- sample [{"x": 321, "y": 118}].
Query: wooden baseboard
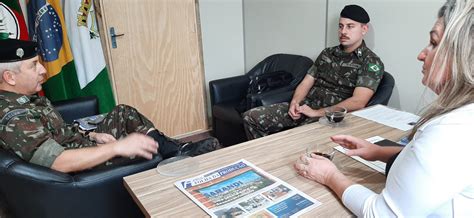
[{"x": 195, "y": 135}]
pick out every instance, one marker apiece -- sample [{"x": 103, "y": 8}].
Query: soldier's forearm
[
  {"x": 83, "y": 158},
  {"x": 302, "y": 90},
  {"x": 351, "y": 104},
  {"x": 359, "y": 99},
  {"x": 297, "y": 97}
]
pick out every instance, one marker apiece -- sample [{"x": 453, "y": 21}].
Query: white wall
[
  {"x": 222, "y": 39},
  {"x": 283, "y": 26},
  {"x": 399, "y": 31}
]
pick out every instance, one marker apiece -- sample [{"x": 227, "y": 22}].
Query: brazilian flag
[{"x": 48, "y": 27}]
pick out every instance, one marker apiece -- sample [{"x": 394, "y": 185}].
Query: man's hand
[
  {"x": 136, "y": 144},
  {"x": 309, "y": 112},
  {"x": 358, "y": 147},
  {"x": 102, "y": 138},
  {"x": 294, "y": 111}
]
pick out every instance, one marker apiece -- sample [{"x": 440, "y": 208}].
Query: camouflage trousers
[
  {"x": 265, "y": 120},
  {"x": 120, "y": 122},
  {"x": 123, "y": 120}
]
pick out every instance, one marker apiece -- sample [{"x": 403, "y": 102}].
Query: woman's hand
[
  {"x": 102, "y": 138},
  {"x": 358, "y": 147},
  {"x": 316, "y": 168},
  {"x": 322, "y": 170}
]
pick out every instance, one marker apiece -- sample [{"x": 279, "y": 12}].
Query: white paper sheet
[{"x": 387, "y": 116}]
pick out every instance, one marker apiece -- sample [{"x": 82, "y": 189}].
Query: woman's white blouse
[{"x": 432, "y": 177}]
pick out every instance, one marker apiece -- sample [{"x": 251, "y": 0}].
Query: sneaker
[{"x": 200, "y": 147}]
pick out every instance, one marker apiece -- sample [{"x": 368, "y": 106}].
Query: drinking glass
[
  {"x": 335, "y": 115},
  {"x": 324, "y": 151},
  {"x": 178, "y": 165}
]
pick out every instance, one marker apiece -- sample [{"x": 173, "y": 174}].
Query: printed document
[{"x": 390, "y": 117}]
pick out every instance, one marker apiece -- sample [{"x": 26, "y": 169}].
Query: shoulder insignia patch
[
  {"x": 47, "y": 110},
  {"x": 22, "y": 100},
  {"x": 374, "y": 68},
  {"x": 8, "y": 116}
]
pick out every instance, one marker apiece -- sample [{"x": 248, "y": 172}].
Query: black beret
[
  {"x": 13, "y": 50},
  {"x": 355, "y": 13}
]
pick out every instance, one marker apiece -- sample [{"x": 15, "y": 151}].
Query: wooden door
[{"x": 157, "y": 64}]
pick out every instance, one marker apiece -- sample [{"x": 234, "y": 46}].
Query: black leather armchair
[
  {"x": 228, "y": 123},
  {"x": 72, "y": 109},
  {"x": 35, "y": 191},
  {"x": 384, "y": 91},
  {"x": 227, "y": 93}
]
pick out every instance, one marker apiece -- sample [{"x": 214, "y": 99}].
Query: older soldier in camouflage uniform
[
  {"x": 35, "y": 131},
  {"x": 346, "y": 75}
]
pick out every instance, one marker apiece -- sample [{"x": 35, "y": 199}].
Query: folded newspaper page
[
  {"x": 90, "y": 123},
  {"x": 242, "y": 189}
]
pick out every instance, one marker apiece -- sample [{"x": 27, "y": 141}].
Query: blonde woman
[{"x": 434, "y": 174}]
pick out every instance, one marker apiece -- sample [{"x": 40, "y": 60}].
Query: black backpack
[{"x": 263, "y": 83}]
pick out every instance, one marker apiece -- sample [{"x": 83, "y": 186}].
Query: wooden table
[{"x": 157, "y": 196}]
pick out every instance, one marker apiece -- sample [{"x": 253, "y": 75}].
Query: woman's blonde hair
[{"x": 454, "y": 57}]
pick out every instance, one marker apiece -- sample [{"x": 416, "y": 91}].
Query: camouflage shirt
[
  {"x": 338, "y": 73},
  {"x": 34, "y": 130}
]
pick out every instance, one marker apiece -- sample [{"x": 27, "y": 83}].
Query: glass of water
[{"x": 178, "y": 165}]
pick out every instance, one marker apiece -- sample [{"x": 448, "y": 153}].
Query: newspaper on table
[{"x": 242, "y": 189}]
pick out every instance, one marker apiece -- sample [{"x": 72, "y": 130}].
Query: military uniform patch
[
  {"x": 47, "y": 110},
  {"x": 8, "y": 116},
  {"x": 359, "y": 52},
  {"x": 22, "y": 100},
  {"x": 374, "y": 68}
]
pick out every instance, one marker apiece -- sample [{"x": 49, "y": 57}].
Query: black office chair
[
  {"x": 35, "y": 191},
  {"x": 384, "y": 91},
  {"x": 227, "y": 94}
]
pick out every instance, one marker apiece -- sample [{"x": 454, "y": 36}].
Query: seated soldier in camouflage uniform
[
  {"x": 346, "y": 75},
  {"x": 35, "y": 131}
]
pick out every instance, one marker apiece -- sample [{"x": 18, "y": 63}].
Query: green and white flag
[
  {"x": 12, "y": 22},
  {"x": 87, "y": 50}
]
